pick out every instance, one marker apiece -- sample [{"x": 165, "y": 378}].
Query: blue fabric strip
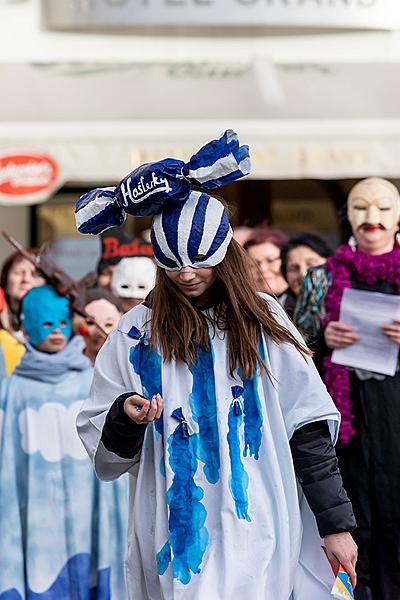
[
  {"x": 187, "y": 515},
  {"x": 197, "y": 228},
  {"x": 239, "y": 480},
  {"x": 170, "y": 219},
  {"x": 159, "y": 254}
]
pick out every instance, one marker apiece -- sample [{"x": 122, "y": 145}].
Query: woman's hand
[
  {"x": 142, "y": 410},
  {"x": 339, "y": 335},
  {"x": 393, "y": 330},
  {"x": 342, "y": 549}
]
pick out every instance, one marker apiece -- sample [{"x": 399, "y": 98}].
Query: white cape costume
[{"x": 216, "y": 511}]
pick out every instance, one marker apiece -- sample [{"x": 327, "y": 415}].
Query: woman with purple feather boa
[{"x": 369, "y": 439}]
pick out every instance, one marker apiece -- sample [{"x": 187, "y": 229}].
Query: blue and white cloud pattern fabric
[
  {"x": 62, "y": 532},
  {"x": 153, "y": 187}
]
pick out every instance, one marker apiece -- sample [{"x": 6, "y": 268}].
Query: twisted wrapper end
[
  {"x": 151, "y": 188},
  {"x": 98, "y": 210},
  {"x": 219, "y": 162}
]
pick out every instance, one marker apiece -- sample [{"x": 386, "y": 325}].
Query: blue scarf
[{"x": 52, "y": 368}]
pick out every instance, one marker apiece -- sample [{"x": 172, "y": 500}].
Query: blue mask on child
[{"x": 44, "y": 311}]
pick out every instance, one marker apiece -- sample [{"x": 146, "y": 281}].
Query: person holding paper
[{"x": 369, "y": 402}]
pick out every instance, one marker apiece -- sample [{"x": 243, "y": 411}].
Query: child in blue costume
[{"x": 62, "y": 532}]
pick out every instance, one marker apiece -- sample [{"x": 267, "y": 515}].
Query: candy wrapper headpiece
[{"x": 190, "y": 228}]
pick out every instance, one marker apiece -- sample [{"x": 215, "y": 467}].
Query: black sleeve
[
  {"x": 316, "y": 467},
  {"x": 318, "y": 346},
  {"x": 120, "y": 434}
]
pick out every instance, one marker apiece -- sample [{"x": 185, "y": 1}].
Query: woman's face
[
  {"x": 21, "y": 278},
  {"x": 106, "y": 315},
  {"x": 104, "y": 278},
  {"x": 267, "y": 258},
  {"x": 298, "y": 261},
  {"x": 193, "y": 283},
  {"x": 55, "y": 342}
]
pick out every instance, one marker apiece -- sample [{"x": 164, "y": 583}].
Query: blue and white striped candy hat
[{"x": 190, "y": 228}]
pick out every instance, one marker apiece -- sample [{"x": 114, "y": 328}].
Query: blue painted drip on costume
[
  {"x": 163, "y": 558},
  {"x": 188, "y": 536},
  {"x": 252, "y": 413},
  {"x": 261, "y": 349},
  {"x": 146, "y": 363},
  {"x": 203, "y": 403},
  {"x": 162, "y": 466},
  {"x": 239, "y": 480},
  {"x": 73, "y": 581}
]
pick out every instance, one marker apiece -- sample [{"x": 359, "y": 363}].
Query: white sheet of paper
[{"x": 366, "y": 312}]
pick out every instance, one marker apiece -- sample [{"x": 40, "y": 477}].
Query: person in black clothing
[{"x": 369, "y": 402}]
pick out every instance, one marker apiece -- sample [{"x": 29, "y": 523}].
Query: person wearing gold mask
[{"x": 369, "y": 439}]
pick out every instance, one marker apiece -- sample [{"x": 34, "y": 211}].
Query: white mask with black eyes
[{"x": 133, "y": 277}]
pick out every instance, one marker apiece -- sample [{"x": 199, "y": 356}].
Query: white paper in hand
[{"x": 367, "y": 312}]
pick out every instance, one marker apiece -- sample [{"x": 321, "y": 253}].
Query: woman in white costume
[{"x": 207, "y": 396}]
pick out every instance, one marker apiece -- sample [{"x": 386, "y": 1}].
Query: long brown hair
[{"x": 179, "y": 328}]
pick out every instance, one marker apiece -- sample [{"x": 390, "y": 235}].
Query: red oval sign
[{"x": 24, "y": 174}]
